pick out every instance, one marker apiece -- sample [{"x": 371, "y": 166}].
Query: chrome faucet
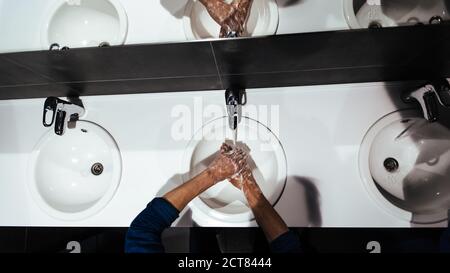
[
  {"x": 430, "y": 96},
  {"x": 61, "y": 112},
  {"x": 234, "y": 99},
  {"x": 231, "y": 34}
]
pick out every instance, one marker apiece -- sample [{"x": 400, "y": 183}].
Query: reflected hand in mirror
[{"x": 231, "y": 17}]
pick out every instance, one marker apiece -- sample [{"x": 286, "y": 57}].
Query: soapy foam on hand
[{"x": 267, "y": 162}]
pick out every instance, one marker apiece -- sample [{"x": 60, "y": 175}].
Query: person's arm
[
  {"x": 183, "y": 194},
  {"x": 266, "y": 216},
  {"x": 444, "y": 243},
  {"x": 144, "y": 234},
  {"x": 228, "y": 162},
  {"x": 280, "y": 238}
]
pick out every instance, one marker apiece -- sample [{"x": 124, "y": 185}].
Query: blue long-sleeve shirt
[{"x": 144, "y": 234}]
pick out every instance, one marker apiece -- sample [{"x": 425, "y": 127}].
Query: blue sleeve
[
  {"x": 144, "y": 234},
  {"x": 444, "y": 242},
  {"x": 287, "y": 242}
]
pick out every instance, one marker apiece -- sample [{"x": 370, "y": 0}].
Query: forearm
[
  {"x": 144, "y": 234},
  {"x": 182, "y": 195},
  {"x": 266, "y": 216}
]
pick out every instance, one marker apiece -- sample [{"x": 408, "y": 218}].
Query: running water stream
[
  {"x": 235, "y": 133},
  {"x": 235, "y": 130}
]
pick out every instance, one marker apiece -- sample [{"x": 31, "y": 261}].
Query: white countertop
[{"x": 321, "y": 128}]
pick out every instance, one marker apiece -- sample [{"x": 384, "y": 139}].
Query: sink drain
[
  {"x": 392, "y": 175},
  {"x": 391, "y": 164},
  {"x": 97, "y": 169}
]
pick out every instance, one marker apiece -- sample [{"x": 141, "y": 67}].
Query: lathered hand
[
  {"x": 230, "y": 17},
  {"x": 228, "y": 162},
  {"x": 241, "y": 177},
  {"x": 235, "y": 23},
  {"x": 245, "y": 181}
]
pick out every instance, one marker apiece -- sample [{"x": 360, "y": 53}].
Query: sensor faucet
[
  {"x": 63, "y": 112},
  {"x": 430, "y": 96},
  {"x": 234, "y": 99}
]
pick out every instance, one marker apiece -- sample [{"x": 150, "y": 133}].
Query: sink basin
[
  {"x": 223, "y": 202},
  {"x": 405, "y": 161},
  {"x": 82, "y": 23},
  {"x": 389, "y": 13},
  {"x": 262, "y": 20},
  {"x": 75, "y": 175}
]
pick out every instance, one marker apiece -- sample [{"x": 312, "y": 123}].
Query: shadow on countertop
[{"x": 311, "y": 199}]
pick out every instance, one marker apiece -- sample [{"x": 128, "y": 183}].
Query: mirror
[{"x": 27, "y": 25}]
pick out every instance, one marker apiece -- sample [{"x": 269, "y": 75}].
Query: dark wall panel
[
  {"x": 12, "y": 239},
  {"x": 314, "y": 240},
  {"x": 121, "y": 62},
  {"x": 390, "y": 54}
]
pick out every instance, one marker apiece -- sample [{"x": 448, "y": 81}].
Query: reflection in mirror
[
  {"x": 36, "y": 24},
  {"x": 391, "y": 13},
  {"x": 209, "y": 19}
]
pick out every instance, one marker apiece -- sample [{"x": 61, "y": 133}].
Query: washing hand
[
  {"x": 241, "y": 177},
  {"x": 231, "y": 17},
  {"x": 245, "y": 181},
  {"x": 235, "y": 22},
  {"x": 228, "y": 162}
]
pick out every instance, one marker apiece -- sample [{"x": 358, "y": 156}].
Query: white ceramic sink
[
  {"x": 223, "y": 202},
  {"x": 75, "y": 175},
  {"x": 405, "y": 161},
  {"x": 84, "y": 23}
]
